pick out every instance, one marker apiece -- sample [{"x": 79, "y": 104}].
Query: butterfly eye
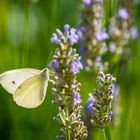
[{"x": 45, "y": 73}]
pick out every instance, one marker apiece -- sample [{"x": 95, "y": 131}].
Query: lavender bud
[
  {"x": 55, "y": 39},
  {"x": 53, "y": 64}
]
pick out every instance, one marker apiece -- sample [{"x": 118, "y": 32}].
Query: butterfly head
[{"x": 45, "y": 73}]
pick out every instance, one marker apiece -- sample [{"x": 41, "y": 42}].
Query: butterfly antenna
[{"x": 49, "y": 58}]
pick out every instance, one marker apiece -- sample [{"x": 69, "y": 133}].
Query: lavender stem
[{"x": 103, "y": 134}]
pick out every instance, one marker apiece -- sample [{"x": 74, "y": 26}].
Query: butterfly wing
[
  {"x": 12, "y": 79},
  {"x": 31, "y": 93}
]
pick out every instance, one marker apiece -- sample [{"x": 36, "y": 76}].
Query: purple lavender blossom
[
  {"x": 90, "y": 103},
  {"x": 66, "y": 30},
  {"x": 70, "y": 34},
  {"x": 82, "y": 49},
  {"x": 80, "y": 34},
  {"x": 54, "y": 38},
  {"x": 88, "y": 3},
  {"x": 73, "y": 37},
  {"x": 66, "y": 27},
  {"x": 76, "y": 66},
  {"x": 133, "y": 32},
  {"x": 53, "y": 64},
  {"x": 109, "y": 115},
  {"x": 77, "y": 98},
  {"x": 66, "y": 63},
  {"x": 101, "y": 35},
  {"x": 123, "y": 13},
  {"x": 98, "y": 59}
]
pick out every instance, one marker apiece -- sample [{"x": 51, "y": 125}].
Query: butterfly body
[{"x": 28, "y": 86}]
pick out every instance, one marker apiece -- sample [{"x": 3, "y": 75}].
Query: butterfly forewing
[
  {"x": 31, "y": 92},
  {"x": 12, "y": 79}
]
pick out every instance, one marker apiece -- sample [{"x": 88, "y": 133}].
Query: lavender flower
[
  {"x": 66, "y": 90},
  {"x": 53, "y": 64},
  {"x": 77, "y": 98},
  {"x": 88, "y": 3},
  {"x": 55, "y": 39},
  {"x": 92, "y": 35},
  {"x": 82, "y": 49},
  {"x": 99, "y": 103},
  {"x": 101, "y": 35},
  {"x": 90, "y": 103},
  {"x": 121, "y": 31},
  {"x": 123, "y": 13},
  {"x": 133, "y": 32},
  {"x": 70, "y": 36},
  {"x": 73, "y": 37},
  {"x": 76, "y": 66}
]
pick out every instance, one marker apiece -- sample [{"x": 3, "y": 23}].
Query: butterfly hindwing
[
  {"x": 31, "y": 92},
  {"x": 12, "y": 79}
]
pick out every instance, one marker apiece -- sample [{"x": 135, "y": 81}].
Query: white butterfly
[{"x": 28, "y": 86}]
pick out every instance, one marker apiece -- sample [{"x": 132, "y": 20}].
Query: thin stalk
[
  {"x": 103, "y": 134},
  {"x": 67, "y": 135}
]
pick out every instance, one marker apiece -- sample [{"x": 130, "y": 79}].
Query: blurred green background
[{"x": 25, "y": 31}]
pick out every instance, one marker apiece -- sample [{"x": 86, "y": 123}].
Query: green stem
[
  {"x": 103, "y": 134},
  {"x": 67, "y": 135}
]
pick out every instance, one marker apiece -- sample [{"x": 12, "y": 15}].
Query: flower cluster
[
  {"x": 121, "y": 31},
  {"x": 92, "y": 35},
  {"x": 66, "y": 64},
  {"x": 100, "y": 102}
]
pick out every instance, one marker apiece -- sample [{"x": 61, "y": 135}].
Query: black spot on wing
[
  {"x": 19, "y": 87},
  {"x": 13, "y": 82}
]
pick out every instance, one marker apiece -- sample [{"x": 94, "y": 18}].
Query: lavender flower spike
[
  {"x": 99, "y": 103},
  {"x": 92, "y": 35},
  {"x": 66, "y": 90}
]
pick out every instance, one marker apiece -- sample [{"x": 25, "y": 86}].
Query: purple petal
[
  {"x": 77, "y": 98},
  {"x": 123, "y": 13},
  {"x": 101, "y": 35},
  {"x": 133, "y": 32},
  {"x": 53, "y": 64}
]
